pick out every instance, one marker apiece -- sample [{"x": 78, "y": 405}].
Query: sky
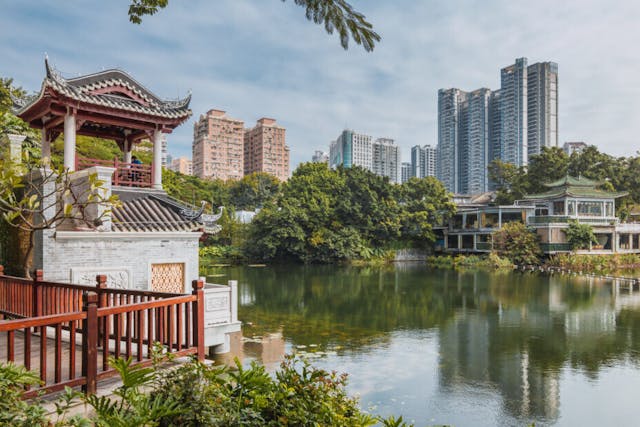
[{"x": 262, "y": 58}]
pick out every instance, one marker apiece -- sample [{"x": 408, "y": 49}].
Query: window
[{"x": 590, "y": 208}]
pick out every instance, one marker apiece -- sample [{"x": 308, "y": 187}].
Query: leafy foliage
[
  {"x": 580, "y": 236},
  {"x": 517, "y": 243},
  {"x": 35, "y": 195},
  {"x": 328, "y": 215},
  {"x": 13, "y": 410},
  {"x": 336, "y": 15},
  {"x": 196, "y": 394}
]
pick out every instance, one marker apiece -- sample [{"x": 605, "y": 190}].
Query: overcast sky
[{"x": 261, "y": 58}]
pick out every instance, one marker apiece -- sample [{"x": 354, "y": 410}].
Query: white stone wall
[{"x": 125, "y": 258}]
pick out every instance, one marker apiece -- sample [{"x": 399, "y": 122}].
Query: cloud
[{"x": 262, "y": 58}]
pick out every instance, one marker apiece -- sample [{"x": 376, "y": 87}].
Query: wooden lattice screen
[{"x": 167, "y": 277}]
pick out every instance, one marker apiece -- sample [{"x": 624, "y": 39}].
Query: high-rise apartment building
[
  {"x": 381, "y": 156},
  {"x": 510, "y": 124},
  {"x": 447, "y": 165},
  {"x": 385, "y": 159},
  {"x": 542, "y": 106},
  {"x": 265, "y": 149},
  {"x": 182, "y": 165},
  {"x": 513, "y": 107},
  {"x": 423, "y": 161},
  {"x": 405, "y": 172},
  {"x": 320, "y": 156},
  {"x": 351, "y": 149},
  {"x": 218, "y": 146},
  {"x": 463, "y": 126}
]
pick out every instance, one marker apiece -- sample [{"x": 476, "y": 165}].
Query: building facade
[
  {"x": 265, "y": 149},
  {"x": 405, "y": 172},
  {"x": 509, "y": 124},
  {"x": 218, "y": 146},
  {"x": 542, "y": 106},
  {"x": 514, "y": 105},
  {"x": 574, "y": 147},
  {"x": 351, "y": 149},
  {"x": 385, "y": 159},
  {"x": 423, "y": 161},
  {"x": 182, "y": 165},
  {"x": 381, "y": 156},
  {"x": 320, "y": 156}
]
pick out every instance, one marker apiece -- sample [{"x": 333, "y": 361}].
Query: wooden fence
[{"x": 54, "y": 323}]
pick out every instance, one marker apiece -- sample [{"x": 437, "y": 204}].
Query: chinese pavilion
[{"x": 110, "y": 105}]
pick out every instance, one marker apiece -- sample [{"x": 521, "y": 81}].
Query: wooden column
[
  {"x": 198, "y": 317},
  {"x": 157, "y": 159},
  {"x": 70, "y": 140},
  {"x": 46, "y": 147},
  {"x": 90, "y": 342}
]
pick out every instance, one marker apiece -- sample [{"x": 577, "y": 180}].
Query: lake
[{"x": 465, "y": 348}]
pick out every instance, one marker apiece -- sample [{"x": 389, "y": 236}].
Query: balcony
[
  {"x": 125, "y": 174},
  {"x": 564, "y": 219}
]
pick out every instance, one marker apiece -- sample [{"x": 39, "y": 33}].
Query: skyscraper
[
  {"x": 463, "y": 145},
  {"x": 514, "y": 105},
  {"x": 447, "y": 164},
  {"x": 218, "y": 146},
  {"x": 542, "y": 106},
  {"x": 509, "y": 124},
  {"x": 265, "y": 149}
]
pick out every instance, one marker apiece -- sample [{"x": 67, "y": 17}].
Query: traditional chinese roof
[
  {"x": 143, "y": 212},
  {"x": 570, "y": 186},
  {"x": 110, "y": 97}
]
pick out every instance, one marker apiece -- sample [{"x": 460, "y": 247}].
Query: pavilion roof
[
  {"x": 108, "y": 92},
  {"x": 570, "y": 186}
]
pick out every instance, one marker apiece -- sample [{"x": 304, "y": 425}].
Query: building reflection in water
[
  {"x": 269, "y": 350},
  {"x": 518, "y": 345}
]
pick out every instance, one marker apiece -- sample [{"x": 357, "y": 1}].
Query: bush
[
  {"x": 196, "y": 394},
  {"x": 517, "y": 243}
]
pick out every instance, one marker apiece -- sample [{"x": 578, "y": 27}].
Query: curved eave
[
  {"x": 576, "y": 195},
  {"x": 53, "y": 92}
]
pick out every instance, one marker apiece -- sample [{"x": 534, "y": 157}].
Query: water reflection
[{"x": 508, "y": 333}]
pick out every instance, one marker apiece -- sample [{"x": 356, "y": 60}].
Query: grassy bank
[
  {"x": 491, "y": 261},
  {"x": 594, "y": 263}
]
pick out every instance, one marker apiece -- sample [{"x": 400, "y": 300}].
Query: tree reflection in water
[{"x": 505, "y": 331}]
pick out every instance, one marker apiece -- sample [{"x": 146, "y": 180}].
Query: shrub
[{"x": 517, "y": 243}]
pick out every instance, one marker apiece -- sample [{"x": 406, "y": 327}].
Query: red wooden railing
[
  {"x": 99, "y": 321},
  {"x": 126, "y": 174}
]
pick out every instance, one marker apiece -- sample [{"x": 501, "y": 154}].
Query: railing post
[
  {"x": 90, "y": 342},
  {"x": 198, "y": 317},
  {"x": 101, "y": 284},
  {"x": 37, "y": 294},
  {"x": 233, "y": 295}
]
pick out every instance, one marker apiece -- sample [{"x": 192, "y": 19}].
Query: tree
[
  {"x": 424, "y": 203},
  {"x": 580, "y": 236},
  {"x": 550, "y": 165},
  {"x": 254, "y": 190},
  {"x": 34, "y": 198},
  {"x": 336, "y": 15},
  {"x": 510, "y": 180},
  {"x": 517, "y": 243}
]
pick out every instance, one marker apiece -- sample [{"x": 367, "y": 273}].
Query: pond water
[{"x": 449, "y": 347}]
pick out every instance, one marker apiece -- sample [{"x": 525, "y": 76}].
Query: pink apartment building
[
  {"x": 265, "y": 149},
  {"x": 218, "y": 146}
]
